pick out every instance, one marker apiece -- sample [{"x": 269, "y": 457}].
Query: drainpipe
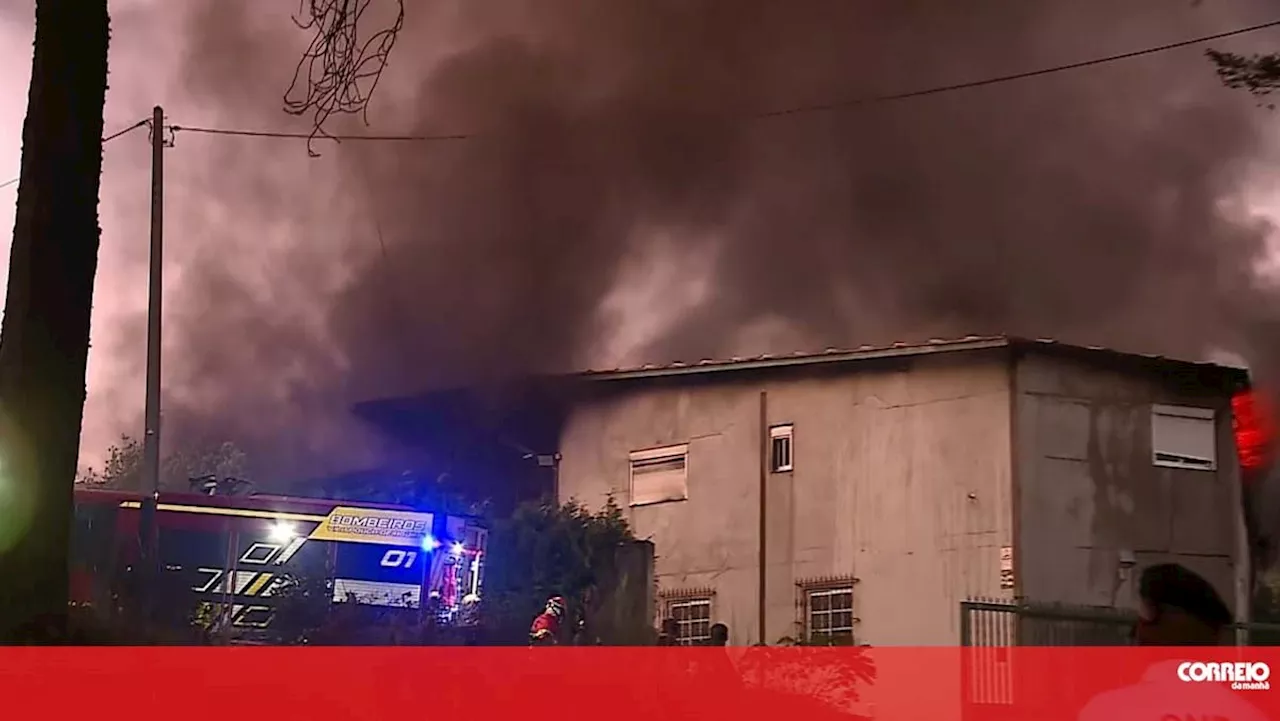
[{"x": 764, "y": 505}]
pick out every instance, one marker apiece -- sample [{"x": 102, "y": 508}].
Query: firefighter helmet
[{"x": 555, "y": 606}]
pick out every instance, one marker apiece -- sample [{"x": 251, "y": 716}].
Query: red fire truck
[{"x": 227, "y": 558}]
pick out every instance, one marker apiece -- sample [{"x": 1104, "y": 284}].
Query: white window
[
  {"x": 1183, "y": 437},
  {"x": 780, "y": 449},
  {"x": 659, "y": 475},
  {"x": 693, "y": 620},
  {"x": 829, "y": 614}
]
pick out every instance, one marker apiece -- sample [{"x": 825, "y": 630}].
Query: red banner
[{"x": 654, "y": 684}]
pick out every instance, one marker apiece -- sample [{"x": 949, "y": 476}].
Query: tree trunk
[{"x": 44, "y": 339}]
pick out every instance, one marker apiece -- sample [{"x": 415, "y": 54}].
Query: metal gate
[
  {"x": 1005, "y": 623},
  {"x": 994, "y": 623},
  {"x": 990, "y": 629}
]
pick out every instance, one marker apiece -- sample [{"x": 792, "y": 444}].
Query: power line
[
  {"x": 824, "y": 107},
  {"x": 797, "y": 110},
  {"x": 140, "y": 124},
  {"x": 310, "y": 136},
  {"x": 107, "y": 139}
]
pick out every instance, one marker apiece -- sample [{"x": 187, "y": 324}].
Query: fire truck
[{"x": 228, "y": 559}]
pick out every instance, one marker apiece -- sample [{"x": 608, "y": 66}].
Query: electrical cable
[
  {"x": 797, "y": 110},
  {"x": 306, "y": 136},
  {"x": 824, "y": 107},
  {"x": 123, "y": 131}
]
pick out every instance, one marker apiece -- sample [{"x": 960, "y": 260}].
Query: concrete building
[{"x": 878, "y": 488}]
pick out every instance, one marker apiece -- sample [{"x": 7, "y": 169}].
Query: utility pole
[{"x": 151, "y": 439}]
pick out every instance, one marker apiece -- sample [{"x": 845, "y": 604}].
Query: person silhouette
[
  {"x": 669, "y": 633},
  {"x": 1177, "y": 607},
  {"x": 719, "y": 635}
]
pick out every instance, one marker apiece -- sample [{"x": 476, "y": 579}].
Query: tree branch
[
  {"x": 1259, "y": 74},
  {"x": 338, "y": 73}
]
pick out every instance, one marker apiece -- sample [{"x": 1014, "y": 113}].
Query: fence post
[{"x": 966, "y": 677}]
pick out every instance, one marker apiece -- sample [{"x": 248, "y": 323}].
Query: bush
[
  {"x": 545, "y": 550},
  {"x": 822, "y": 672}
]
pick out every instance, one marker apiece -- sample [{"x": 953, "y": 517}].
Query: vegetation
[
  {"x": 1258, "y": 74},
  {"x": 123, "y": 468},
  {"x": 826, "y": 676},
  {"x": 544, "y": 550}
]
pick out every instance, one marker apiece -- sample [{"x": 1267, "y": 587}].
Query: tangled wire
[{"x": 338, "y": 73}]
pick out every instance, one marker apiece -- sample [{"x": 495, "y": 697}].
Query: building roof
[
  {"x": 425, "y": 414},
  {"x": 833, "y": 356}
]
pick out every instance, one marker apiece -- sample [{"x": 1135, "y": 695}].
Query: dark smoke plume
[{"x": 1097, "y": 206}]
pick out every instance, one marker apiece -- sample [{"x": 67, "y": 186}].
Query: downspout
[
  {"x": 1244, "y": 569},
  {"x": 764, "y": 505},
  {"x": 1015, "y": 476},
  {"x": 1016, "y": 545}
]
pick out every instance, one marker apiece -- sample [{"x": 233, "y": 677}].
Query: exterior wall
[
  {"x": 902, "y": 480},
  {"x": 625, "y": 607},
  {"x": 1090, "y": 500}
]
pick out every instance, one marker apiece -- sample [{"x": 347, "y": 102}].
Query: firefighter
[{"x": 546, "y": 627}]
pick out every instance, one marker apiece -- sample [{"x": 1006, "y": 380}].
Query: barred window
[
  {"x": 830, "y": 614},
  {"x": 693, "y": 620}
]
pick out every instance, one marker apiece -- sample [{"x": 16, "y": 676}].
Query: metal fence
[
  {"x": 993, "y": 623},
  {"x": 1006, "y": 623},
  {"x": 991, "y": 628}
]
